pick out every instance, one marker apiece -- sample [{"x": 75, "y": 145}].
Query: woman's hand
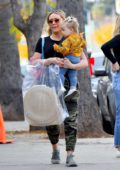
[
  {"x": 115, "y": 66},
  {"x": 79, "y": 66},
  {"x": 35, "y": 58},
  {"x": 68, "y": 64},
  {"x": 54, "y": 60}
]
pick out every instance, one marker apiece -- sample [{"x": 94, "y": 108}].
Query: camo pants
[{"x": 70, "y": 127}]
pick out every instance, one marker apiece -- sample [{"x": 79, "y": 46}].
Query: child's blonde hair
[
  {"x": 72, "y": 22},
  {"x": 117, "y": 26}
]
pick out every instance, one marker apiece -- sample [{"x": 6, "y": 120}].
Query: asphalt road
[{"x": 33, "y": 152}]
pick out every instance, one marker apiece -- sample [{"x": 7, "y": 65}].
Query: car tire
[{"x": 111, "y": 110}]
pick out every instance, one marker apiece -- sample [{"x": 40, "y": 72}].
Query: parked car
[
  {"x": 97, "y": 59},
  {"x": 105, "y": 95}
]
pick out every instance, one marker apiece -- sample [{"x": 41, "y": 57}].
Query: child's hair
[
  {"x": 117, "y": 26},
  {"x": 72, "y": 22}
]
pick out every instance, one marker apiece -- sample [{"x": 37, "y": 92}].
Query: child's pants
[{"x": 72, "y": 74}]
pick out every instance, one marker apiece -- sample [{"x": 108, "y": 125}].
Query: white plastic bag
[{"x": 42, "y": 96}]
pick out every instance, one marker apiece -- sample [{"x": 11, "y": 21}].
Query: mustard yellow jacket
[{"x": 72, "y": 45}]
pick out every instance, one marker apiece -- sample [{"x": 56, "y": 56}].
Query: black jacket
[{"x": 111, "y": 49}]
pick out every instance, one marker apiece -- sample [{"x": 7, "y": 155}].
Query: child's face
[{"x": 66, "y": 31}]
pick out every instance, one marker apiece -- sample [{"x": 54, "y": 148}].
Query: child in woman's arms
[{"x": 71, "y": 48}]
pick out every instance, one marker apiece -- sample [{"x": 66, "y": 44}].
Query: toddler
[{"x": 71, "y": 48}]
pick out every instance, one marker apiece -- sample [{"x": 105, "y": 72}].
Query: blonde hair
[
  {"x": 59, "y": 12},
  {"x": 117, "y": 26},
  {"x": 72, "y": 22}
]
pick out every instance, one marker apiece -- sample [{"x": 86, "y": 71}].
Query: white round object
[{"x": 42, "y": 106}]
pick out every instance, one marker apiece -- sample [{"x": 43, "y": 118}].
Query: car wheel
[
  {"x": 112, "y": 113},
  {"x": 107, "y": 126}
]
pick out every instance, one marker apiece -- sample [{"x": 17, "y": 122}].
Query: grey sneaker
[
  {"x": 70, "y": 161},
  {"x": 55, "y": 157}
]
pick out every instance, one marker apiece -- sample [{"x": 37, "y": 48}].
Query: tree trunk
[
  {"x": 89, "y": 118},
  {"x": 10, "y": 77},
  {"x": 32, "y": 27}
]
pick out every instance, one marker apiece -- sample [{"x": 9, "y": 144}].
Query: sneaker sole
[
  {"x": 55, "y": 161},
  {"x": 71, "y": 165},
  {"x": 67, "y": 98}
]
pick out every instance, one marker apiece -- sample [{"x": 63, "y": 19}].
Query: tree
[
  {"x": 32, "y": 25},
  {"x": 89, "y": 119},
  {"x": 29, "y": 21},
  {"x": 10, "y": 77}
]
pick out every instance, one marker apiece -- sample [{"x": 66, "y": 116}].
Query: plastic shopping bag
[{"x": 42, "y": 96}]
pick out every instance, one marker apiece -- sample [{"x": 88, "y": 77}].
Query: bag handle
[{"x": 43, "y": 42}]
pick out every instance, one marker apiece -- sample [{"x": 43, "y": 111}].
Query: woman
[
  {"x": 111, "y": 49},
  {"x": 55, "y": 20}
]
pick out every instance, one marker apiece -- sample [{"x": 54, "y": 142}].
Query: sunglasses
[{"x": 53, "y": 20}]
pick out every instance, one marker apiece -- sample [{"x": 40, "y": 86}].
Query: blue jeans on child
[
  {"x": 116, "y": 87},
  {"x": 72, "y": 74}
]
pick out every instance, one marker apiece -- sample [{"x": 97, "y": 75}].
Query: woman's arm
[
  {"x": 53, "y": 60},
  {"x": 108, "y": 46},
  {"x": 36, "y": 58},
  {"x": 79, "y": 66}
]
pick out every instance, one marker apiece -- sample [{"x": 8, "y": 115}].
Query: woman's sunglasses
[{"x": 53, "y": 20}]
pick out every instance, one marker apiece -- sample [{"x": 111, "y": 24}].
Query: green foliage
[
  {"x": 14, "y": 31},
  {"x": 51, "y": 4},
  {"x": 112, "y": 2},
  {"x": 98, "y": 10},
  {"x": 107, "y": 3},
  {"x": 27, "y": 9}
]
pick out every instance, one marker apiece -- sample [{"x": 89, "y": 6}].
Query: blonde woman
[
  {"x": 111, "y": 49},
  {"x": 55, "y": 20}
]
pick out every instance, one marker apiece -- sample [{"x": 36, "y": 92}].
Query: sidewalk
[
  {"x": 32, "y": 151},
  {"x": 16, "y": 126}
]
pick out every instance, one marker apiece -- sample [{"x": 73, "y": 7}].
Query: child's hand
[{"x": 55, "y": 46}]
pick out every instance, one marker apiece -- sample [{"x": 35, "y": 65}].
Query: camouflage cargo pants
[{"x": 70, "y": 127}]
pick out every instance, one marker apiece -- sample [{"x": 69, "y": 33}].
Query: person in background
[
  {"x": 111, "y": 49},
  {"x": 55, "y": 20},
  {"x": 71, "y": 48}
]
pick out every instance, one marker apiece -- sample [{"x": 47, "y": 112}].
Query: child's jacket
[{"x": 72, "y": 45}]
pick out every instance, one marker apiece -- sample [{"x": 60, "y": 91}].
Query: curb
[{"x": 16, "y": 126}]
